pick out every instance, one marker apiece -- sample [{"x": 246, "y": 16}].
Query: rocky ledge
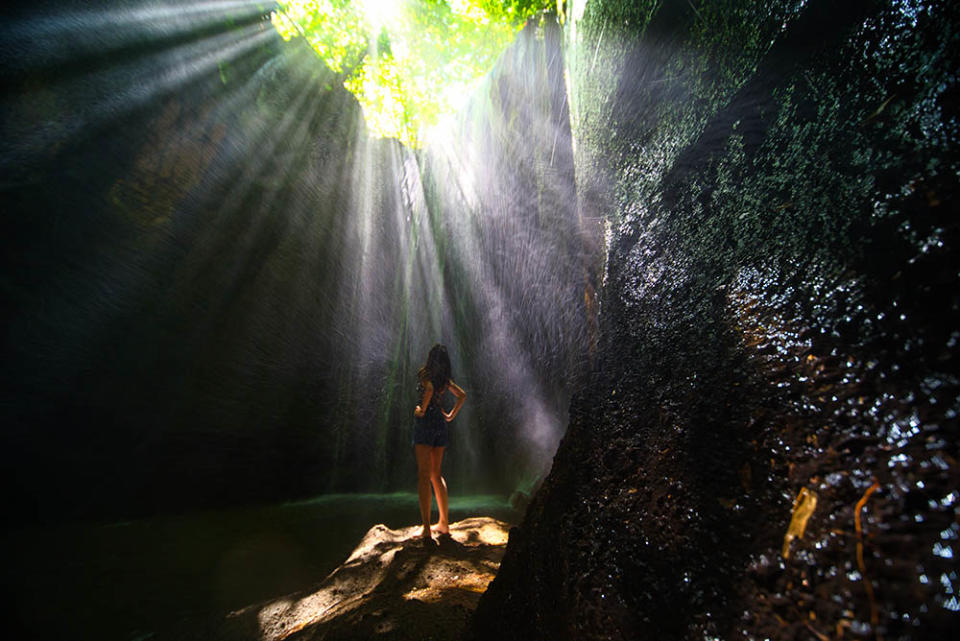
[{"x": 393, "y": 586}]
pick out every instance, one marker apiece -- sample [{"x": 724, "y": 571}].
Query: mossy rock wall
[{"x": 779, "y": 315}]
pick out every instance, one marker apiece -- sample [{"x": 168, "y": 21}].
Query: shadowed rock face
[
  {"x": 779, "y": 315},
  {"x": 393, "y": 586}
]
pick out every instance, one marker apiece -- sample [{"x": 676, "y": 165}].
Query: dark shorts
[{"x": 431, "y": 429}]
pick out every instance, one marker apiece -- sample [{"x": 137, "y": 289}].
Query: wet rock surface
[
  {"x": 393, "y": 586},
  {"x": 778, "y": 341}
]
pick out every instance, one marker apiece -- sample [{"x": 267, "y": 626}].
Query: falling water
[
  {"x": 235, "y": 266},
  {"x": 221, "y": 281}
]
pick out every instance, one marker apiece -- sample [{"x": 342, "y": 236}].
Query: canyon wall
[{"x": 767, "y": 446}]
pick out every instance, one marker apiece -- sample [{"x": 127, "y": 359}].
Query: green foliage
[{"x": 408, "y": 62}]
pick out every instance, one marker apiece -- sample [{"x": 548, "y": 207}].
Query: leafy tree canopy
[{"x": 408, "y": 62}]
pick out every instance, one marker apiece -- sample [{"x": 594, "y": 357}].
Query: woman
[{"x": 430, "y": 435}]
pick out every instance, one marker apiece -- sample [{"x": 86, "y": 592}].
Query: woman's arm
[
  {"x": 421, "y": 409},
  {"x": 457, "y": 391}
]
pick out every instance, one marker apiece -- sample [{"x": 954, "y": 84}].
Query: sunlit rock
[{"x": 393, "y": 586}]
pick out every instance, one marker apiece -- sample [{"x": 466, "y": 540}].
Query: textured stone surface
[
  {"x": 393, "y": 586},
  {"x": 779, "y": 312}
]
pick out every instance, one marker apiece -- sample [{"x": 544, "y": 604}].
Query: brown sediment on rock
[{"x": 393, "y": 586}]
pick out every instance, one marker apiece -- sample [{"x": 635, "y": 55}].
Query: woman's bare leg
[
  {"x": 440, "y": 489},
  {"x": 423, "y": 486}
]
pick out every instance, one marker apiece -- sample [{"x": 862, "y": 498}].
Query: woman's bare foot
[
  {"x": 425, "y": 533},
  {"x": 440, "y": 528}
]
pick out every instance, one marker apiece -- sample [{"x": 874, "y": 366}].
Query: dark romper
[{"x": 431, "y": 428}]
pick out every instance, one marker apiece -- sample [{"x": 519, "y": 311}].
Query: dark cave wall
[
  {"x": 779, "y": 311},
  {"x": 160, "y": 350},
  {"x": 177, "y": 230}
]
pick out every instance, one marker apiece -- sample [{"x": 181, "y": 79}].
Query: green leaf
[{"x": 410, "y": 63}]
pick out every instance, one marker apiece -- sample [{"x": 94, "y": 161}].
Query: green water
[{"x": 145, "y": 578}]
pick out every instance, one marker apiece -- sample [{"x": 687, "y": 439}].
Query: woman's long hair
[{"x": 437, "y": 368}]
